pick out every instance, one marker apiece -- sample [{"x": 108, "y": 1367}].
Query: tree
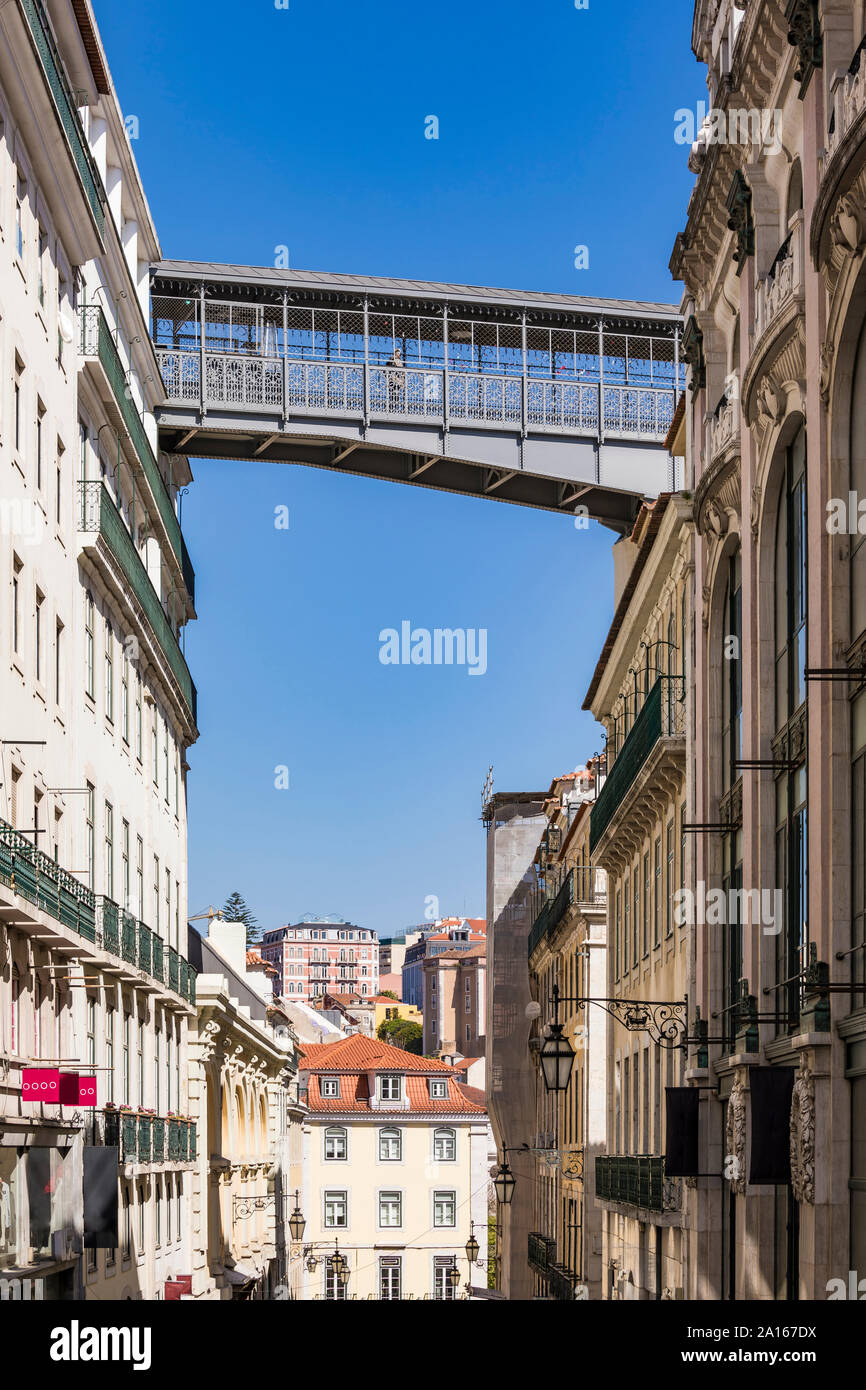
[
  {"x": 388, "y": 994},
  {"x": 401, "y": 1032},
  {"x": 236, "y": 910}
]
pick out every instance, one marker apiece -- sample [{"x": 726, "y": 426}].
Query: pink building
[{"x": 319, "y": 955}]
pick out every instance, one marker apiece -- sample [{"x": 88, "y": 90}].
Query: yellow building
[
  {"x": 395, "y": 1173},
  {"x": 386, "y": 1008}
]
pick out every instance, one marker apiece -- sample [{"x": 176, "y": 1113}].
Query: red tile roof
[
  {"x": 355, "y": 1098},
  {"x": 254, "y": 958},
  {"x": 473, "y": 1094},
  {"x": 359, "y": 1053}
]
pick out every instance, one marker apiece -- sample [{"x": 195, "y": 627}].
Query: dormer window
[
  {"x": 330, "y": 1087},
  {"x": 438, "y": 1089},
  {"x": 390, "y": 1088}
]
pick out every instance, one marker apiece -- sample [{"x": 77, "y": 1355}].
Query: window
[
  {"x": 390, "y": 1209},
  {"x": 335, "y": 1289},
  {"x": 37, "y": 635},
  {"x": 142, "y": 1212},
  {"x": 156, "y": 893},
  {"x": 439, "y": 1089},
  {"x": 158, "y": 1213},
  {"x": 444, "y": 1145},
  {"x": 139, "y": 875},
  {"x": 124, "y": 697},
  {"x": 139, "y": 722},
  {"x": 109, "y": 1051},
  {"x": 58, "y": 663},
  {"x": 109, "y": 850},
  {"x": 444, "y": 1209},
  {"x": 336, "y": 1210},
  {"x": 13, "y": 1015},
  {"x": 154, "y": 748},
  {"x": 89, "y": 666},
  {"x": 58, "y": 483},
  {"x": 441, "y": 1283},
  {"x": 390, "y": 1270},
  {"x": 20, "y": 199},
  {"x": 40, "y": 421},
  {"x": 166, "y": 783},
  {"x": 124, "y": 864},
  {"x": 127, "y": 1226},
  {"x": 390, "y": 1087},
  {"x": 127, "y": 1028},
  {"x": 657, "y": 895},
  {"x": 336, "y": 1146},
  {"x": 16, "y": 602},
  {"x": 390, "y": 1146},
  {"x": 90, "y": 835},
  {"x": 329, "y": 1086},
  {"x": 732, "y": 678}
]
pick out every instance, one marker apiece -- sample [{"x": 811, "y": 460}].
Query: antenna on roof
[{"x": 487, "y": 799}]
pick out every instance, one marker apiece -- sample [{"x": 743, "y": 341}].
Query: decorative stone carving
[
  {"x": 803, "y": 1134},
  {"x": 804, "y": 33},
  {"x": 740, "y": 221},
  {"x": 789, "y": 745},
  {"x": 755, "y": 511},
  {"x": 735, "y": 1135}
]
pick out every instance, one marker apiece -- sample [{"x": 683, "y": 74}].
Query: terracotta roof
[
  {"x": 474, "y": 952},
  {"x": 466, "y": 1062},
  {"x": 254, "y": 958},
  {"x": 355, "y": 1097},
  {"x": 359, "y": 1053}
]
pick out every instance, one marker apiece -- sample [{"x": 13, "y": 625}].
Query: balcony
[
  {"x": 64, "y": 103},
  {"x": 135, "y": 943},
  {"x": 149, "y": 1139},
  {"x": 99, "y": 516},
  {"x": 660, "y": 723},
  {"x": 636, "y": 1180},
  {"x": 541, "y": 1252},
  {"x": 724, "y": 427},
  {"x": 32, "y": 875},
  {"x": 784, "y": 282},
  {"x": 580, "y": 885},
  {"x": 97, "y": 342}
]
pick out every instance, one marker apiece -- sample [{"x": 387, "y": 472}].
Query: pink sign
[
  {"x": 40, "y": 1085},
  {"x": 77, "y": 1090},
  {"x": 87, "y": 1090}
]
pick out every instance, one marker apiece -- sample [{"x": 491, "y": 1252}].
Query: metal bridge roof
[{"x": 173, "y": 275}]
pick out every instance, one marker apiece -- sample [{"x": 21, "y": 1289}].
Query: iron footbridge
[{"x": 541, "y": 400}]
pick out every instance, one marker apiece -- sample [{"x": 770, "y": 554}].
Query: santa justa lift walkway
[{"x": 542, "y": 400}]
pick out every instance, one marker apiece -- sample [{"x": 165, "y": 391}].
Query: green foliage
[
  {"x": 236, "y": 910},
  {"x": 401, "y": 1032},
  {"x": 388, "y": 994},
  {"x": 491, "y": 1252}
]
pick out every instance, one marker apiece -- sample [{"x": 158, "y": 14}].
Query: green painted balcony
[
  {"x": 663, "y": 716},
  {"x": 31, "y": 874},
  {"x": 97, "y": 341},
  {"x": 99, "y": 516},
  {"x": 65, "y": 105},
  {"x": 143, "y": 1138},
  {"x": 637, "y": 1180},
  {"x": 121, "y": 933}
]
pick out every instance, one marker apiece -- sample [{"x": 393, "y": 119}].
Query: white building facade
[{"x": 98, "y": 706}]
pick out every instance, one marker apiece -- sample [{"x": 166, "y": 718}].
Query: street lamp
[
  {"x": 454, "y": 1276},
  {"x": 557, "y": 1053},
  {"x": 296, "y": 1221},
  {"x": 503, "y": 1184},
  {"x": 472, "y": 1246},
  {"x": 312, "y": 1263},
  {"x": 337, "y": 1262}
]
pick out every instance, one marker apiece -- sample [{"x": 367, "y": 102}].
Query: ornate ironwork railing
[
  {"x": 637, "y": 1180},
  {"x": 147, "y": 1138},
  {"x": 580, "y": 885},
  {"x": 97, "y": 341},
  {"x": 39, "y": 879},
  {"x": 662, "y": 716},
  {"x": 122, "y": 934},
  {"x": 541, "y": 1251},
  {"x": 297, "y": 386},
  {"x": 98, "y": 513},
  {"x": 66, "y": 109}
]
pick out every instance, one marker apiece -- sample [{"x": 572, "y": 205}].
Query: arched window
[
  {"x": 390, "y": 1145},
  {"x": 444, "y": 1145},
  {"x": 795, "y": 191},
  {"x": 336, "y": 1145}
]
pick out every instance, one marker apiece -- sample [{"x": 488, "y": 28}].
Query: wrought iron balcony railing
[
  {"x": 581, "y": 884},
  {"x": 122, "y": 933},
  {"x": 97, "y": 341},
  {"x": 67, "y": 113},
  {"x": 31, "y": 874},
  {"x": 147, "y": 1138},
  {"x": 99, "y": 515},
  {"x": 637, "y": 1180},
  {"x": 541, "y": 1251},
  {"x": 663, "y": 716}
]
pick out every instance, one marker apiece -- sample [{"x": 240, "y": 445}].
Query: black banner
[
  {"x": 681, "y": 1131},
  {"x": 771, "y": 1089},
  {"x": 100, "y": 1198}
]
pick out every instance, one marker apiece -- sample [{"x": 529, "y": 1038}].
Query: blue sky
[{"x": 304, "y": 127}]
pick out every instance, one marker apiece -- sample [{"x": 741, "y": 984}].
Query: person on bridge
[{"x": 396, "y": 381}]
